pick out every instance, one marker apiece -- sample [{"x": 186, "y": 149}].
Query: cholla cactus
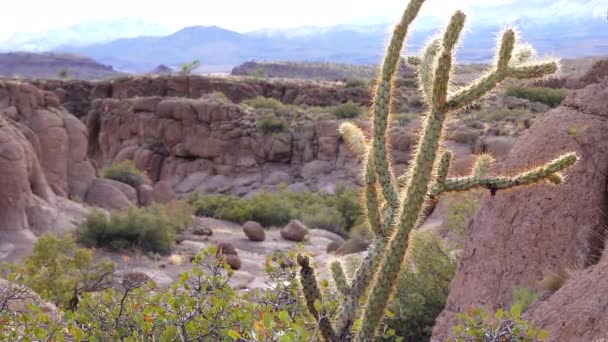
[{"x": 394, "y": 204}]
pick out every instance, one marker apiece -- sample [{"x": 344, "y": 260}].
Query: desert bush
[
  {"x": 188, "y": 68},
  {"x": 523, "y": 298},
  {"x": 216, "y": 96},
  {"x": 149, "y": 229},
  {"x": 479, "y": 326},
  {"x": 347, "y": 110},
  {"x": 501, "y": 114},
  {"x": 337, "y": 213},
  {"x": 200, "y": 306},
  {"x": 422, "y": 288},
  {"x": 124, "y": 171},
  {"x": 549, "y": 96},
  {"x": 269, "y": 123},
  {"x": 406, "y": 82},
  {"x": 460, "y": 209},
  {"x": 59, "y": 271},
  {"x": 355, "y": 83},
  {"x": 261, "y": 102}
]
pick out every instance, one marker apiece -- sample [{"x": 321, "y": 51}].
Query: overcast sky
[{"x": 247, "y": 15}]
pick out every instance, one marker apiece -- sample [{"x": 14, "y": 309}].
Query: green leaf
[
  {"x": 499, "y": 313},
  {"x": 542, "y": 335},
  {"x": 233, "y": 334}
]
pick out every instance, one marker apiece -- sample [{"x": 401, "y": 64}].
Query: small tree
[
  {"x": 188, "y": 68},
  {"x": 63, "y": 73}
]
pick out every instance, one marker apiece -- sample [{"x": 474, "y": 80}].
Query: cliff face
[
  {"x": 520, "y": 236},
  {"x": 43, "y": 162},
  {"x": 77, "y": 95},
  {"x": 215, "y": 146}
]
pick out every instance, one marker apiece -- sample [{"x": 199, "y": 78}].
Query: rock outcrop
[
  {"x": 215, "y": 147},
  {"x": 520, "y": 236},
  {"x": 43, "y": 162}
]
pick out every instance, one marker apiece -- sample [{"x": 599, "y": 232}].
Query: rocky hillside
[
  {"x": 546, "y": 239},
  {"x": 52, "y": 65}
]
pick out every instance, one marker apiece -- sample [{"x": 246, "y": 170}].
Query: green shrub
[
  {"x": 407, "y": 82},
  {"x": 125, "y": 172},
  {"x": 261, "y": 102},
  {"x": 150, "y": 229},
  {"x": 549, "y": 96},
  {"x": 422, "y": 288},
  {"x": 460, "y": 209},
  {"x": 59, "y": 271},
  {"x": 347, "y": 110},
  {"x": 337, "y": 213},
  {"x": 355, "y": 83},
  {"x": 479, "y": 326},
  {"x": 200, "y": 306},
  {"x": 502, "y": 114},
  {"x": 216, "y": 96},
  {"x": 523, "y": 298},
  {"x": 270, "y": 123}
]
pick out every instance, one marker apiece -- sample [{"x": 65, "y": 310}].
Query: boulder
[
  {"x": 144, "y": 194},
  {"x": 333, "y": 246},
  {"x": 224, "y": 247},
  {"x": 163, "y": 192},
  {"x": 234, "y": 261},
  {"x": 254, "y": 231},
  {"x": 102, "y": 193},
  {"x": 294, "y": 231}
]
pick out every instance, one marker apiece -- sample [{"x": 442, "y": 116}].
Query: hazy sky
[{"x": 246, "y": 15}]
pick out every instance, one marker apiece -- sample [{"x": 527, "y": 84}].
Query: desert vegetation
[
  {"x": 337, "y": 213},
  {"x": 368, "y": 265}
]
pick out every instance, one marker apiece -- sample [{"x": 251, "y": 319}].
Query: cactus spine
[{"x": 394, "y": 205}]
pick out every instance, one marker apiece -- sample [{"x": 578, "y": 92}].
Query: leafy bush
[
  {"x": 188, "y": 68},
  {"x": 355, "y": 83},
  {"x": 125, "y": 172},
  {"x": 460, "y": 209},
  {"x": 150, "y": 229},
  {"x": 270, "y": 123},
  {"x": 271, "y": 105},
  {"x": 422, "y": 288},
  {"x": 201, "y": 306},
  {"x": 216, "y": 96},
  {"x": 407, "y": 82},
  {"x": 59, "y": 271},
  {"x": 479, "y": 326},
  {"x": 264, "y": 103},
  {"x": 347, "y": 110},
  {"x": 337, "y": 213},
  {"x": 549, "y": 96},
  {"x": 501, "y": 114}
]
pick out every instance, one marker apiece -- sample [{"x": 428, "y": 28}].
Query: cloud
[{"x": 246, "y": 15}]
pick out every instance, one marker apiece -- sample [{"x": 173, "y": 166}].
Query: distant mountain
[
  {"x": 99, "y": 31},
  {"x": 219, "y": 49},
  {"x": 52, "y": 65}
]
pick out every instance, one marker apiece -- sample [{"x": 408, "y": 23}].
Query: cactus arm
[
  {"x": 383, "y": 285},
  {"x": 443, "y": 167},
  {"x": 549, "y": 172},
  {"x": 363, "y": 276},
  {"x": 382, "y": 103},
  {"x": 340, "y": 280},
  {"x": 355, "y": 140},
  {"x": 313, "y": 294},
  {"x": 477, "y": 89},
  {"x": 537, "y": 70},
  {"x": 427, "y": 68}
]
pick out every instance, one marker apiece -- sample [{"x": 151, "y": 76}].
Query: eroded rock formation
[{"x": 520, "y": 236}]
